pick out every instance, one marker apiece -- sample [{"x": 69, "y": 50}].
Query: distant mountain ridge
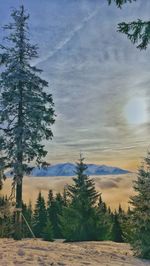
[{"x": 68, "y": 169}]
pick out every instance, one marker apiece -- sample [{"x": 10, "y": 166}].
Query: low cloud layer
[{"x": 114, "y": 189}]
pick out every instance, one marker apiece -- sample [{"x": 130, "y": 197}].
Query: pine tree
[
  {"x": 83, "y": 190},
  {"x": 140, "y": 215},
  {"x": 65, "y": 198},
  {"x": 54, "y": 209},
  {"x": 127, "y": 226},
  {"x": 105, "y": 220},
  {"x": 48, "y": 231},
  {"x": 116, "y": 231},
  {"x": 59, "y": 203},
  {"x": 102, "y": 205},
  {"x": 39, "y": 216},
  {"x": 120, "y": 210},
  {"x": 80, "y": 221},
  {"x": 26, "y": 110},
  {"x": 51, "y": 212},
  {"x": 6, "y": 219}
]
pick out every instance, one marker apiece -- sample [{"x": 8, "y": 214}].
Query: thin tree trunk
[
  {"x": 18, "y": 217},
  {"x": 19, "y": 174}
]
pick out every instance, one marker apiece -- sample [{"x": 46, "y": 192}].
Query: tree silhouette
[{"x": 26, "y": 110}]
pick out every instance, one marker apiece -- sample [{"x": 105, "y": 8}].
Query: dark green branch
[
  {"x": 119, "y": 3},
  {"x": 138, "y": 32}
]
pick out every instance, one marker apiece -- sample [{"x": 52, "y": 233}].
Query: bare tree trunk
[
  {"x": 18, "y": 217},
  {"x": 19, "y": 172}
]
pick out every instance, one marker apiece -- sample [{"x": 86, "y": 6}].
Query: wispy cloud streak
[{"x": 70, "y": 36}]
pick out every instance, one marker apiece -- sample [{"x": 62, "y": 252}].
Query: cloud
[
  {"x": 93, "y": 72},
  {"x": 108, "y": 185},
  {"x": 70, "y": 36},
  {"x": 113, "y": 191}
]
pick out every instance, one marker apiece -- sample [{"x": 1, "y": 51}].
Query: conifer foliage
[
  {"x": 54, "y": 210},
  {"x": 48, "y": 231},
  {"x": 140, "y": 215},
  {"x": 116, "y": 231},
  {"x": 79, "y": 221},
  {"x": 39, "y": 216},
  {"x": 26, "y": 110},
  {"x": 105, "y": 220},
  {"x": 83, "y": 191},
  {"x": 119, "y": 3},
  {"x": 138, "y": 31},
  {"x": 6, "y": 219}
]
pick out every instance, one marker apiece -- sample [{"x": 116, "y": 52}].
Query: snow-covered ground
[{"x": 37, "y": 252}]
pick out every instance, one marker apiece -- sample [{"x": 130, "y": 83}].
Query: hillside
[
  {"x": 68, "y": 169},
  {"x": 37, "y": 252}
]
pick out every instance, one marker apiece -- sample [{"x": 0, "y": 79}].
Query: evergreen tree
[
  {"x": 39, "y": 216},
  {"x": 140, "y": 216},
  {"x": 83, "y": 190},
  {"x": 48, "y": 231},
  {"x": 51, "y": 209},
  {"x": 116, "y": 231},
  {"x": 65, "y": 198},
  {"x": 102, "y": 205},
  {"x": 121, "y": 215},
  {"x": 120, "y": 210},
  {"x": 80, "y": 221},
  {"x": 129, "y": 211},
  {"x": 104, "y": 220},
  {"x": 109, "y": 210},
  {"x": 127, "y": 226},
  {"x": 6, "y": 219},
  {"x": 54, "y": 209},
  {"x": 26, "y": 110},
  {"x": 59, "y": 203}
]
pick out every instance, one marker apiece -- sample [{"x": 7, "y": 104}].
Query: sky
[{"x": 99, "y": 80}]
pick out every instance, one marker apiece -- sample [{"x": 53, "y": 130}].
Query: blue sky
[{"x": 99, "y": 80}]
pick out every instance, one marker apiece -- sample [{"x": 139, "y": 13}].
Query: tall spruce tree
[
  {"x": 140, "y": 215},
  {"x": 26, "y": 110},
  {"x": 83, "y": 190},
  {"x": 80, "y": 220}
]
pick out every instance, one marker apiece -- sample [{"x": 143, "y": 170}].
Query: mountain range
[{"x": 69, "y": 169}]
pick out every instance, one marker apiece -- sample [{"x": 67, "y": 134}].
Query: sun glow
[{"x": 135, "y": 111}]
